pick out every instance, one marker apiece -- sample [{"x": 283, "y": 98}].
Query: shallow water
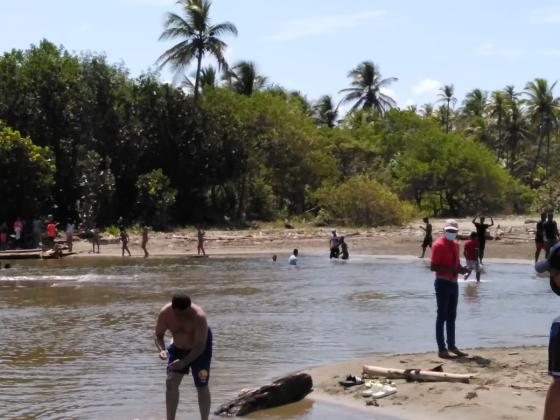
[{"x": 77, "y": 334}]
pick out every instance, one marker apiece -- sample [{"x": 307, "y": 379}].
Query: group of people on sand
[
  {"x": 446, "y": 264},
  {"x": 35, "y": 233},
  {"x": 546, "y": 234}
]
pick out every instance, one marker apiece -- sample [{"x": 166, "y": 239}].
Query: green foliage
[
  {"x": 448, "y": 174},
  {"x": 96, "y": 185},
  {"x": 363, "y": 201},
  {"x": 27, "y": 175},
  {"x": 155, "y": 196}
]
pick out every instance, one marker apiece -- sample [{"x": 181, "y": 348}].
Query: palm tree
[
  {"x": 475, "y": 103},
  {"x": 427, "y": 110},
  {"x": 197, "y": 38},
  {"x": 542, "y": 107},
  {"x": 517, "y": 128},
  {"x": 366, "y": 89},
  {"x": 325, "y": 112},
  {"x": 207, "y": 78},
  {"x": 244, "y": 78},
  {"x": 446, "y": 96}
]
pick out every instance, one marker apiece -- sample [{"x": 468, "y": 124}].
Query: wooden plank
[{"x": 417, "y": 374}]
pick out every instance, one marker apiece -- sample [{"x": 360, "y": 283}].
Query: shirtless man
[{"x": 191, "y": 348}]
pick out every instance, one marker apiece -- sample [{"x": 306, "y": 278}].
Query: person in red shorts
[
  {"x": 471, "y": 256},
  {"x": 446, "y": 263}
]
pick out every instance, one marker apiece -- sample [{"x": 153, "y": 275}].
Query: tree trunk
[
  {"x": 286, "y": 390},
  {"x": 197, "y": 76}
]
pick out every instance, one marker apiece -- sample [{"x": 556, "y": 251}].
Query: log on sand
[
  {"x": 285, "y": 390},
  {"x": 417, "y": 374}
]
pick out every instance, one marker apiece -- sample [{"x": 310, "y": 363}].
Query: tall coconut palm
[
  {"x": 197, "y": 38},
  {"x": 542, "y": 106},
  {"x": 366, "y": 91},
  {"x": 207, "y": 79},
  {"x": 517, "y": 128},
  {"x": 446, "y": 96},
  {"x": 427, "y": 110},
  {"x": 498, "y": 111},
  {"x": 475, "y": 103},
  {"x": 325, "y": 112},
  {"x": 244, "y": 78}
]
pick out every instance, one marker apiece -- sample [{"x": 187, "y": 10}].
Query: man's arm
[
  {"x": 161, "y": 328},
  {"x": 201, "y": 335},
  {"x": 474, "y": 220},
  {"x": 491, "y": 221}
]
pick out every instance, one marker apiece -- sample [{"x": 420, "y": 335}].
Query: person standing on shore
[
  {"x": 145, "y": 230},
  {"x": 550, "y": 229},
  {"x": 471, "y": 256},
  {"x": 446, "y": 263},
  {"x": 552, "y": 401},
  {"x": 481, "y": 229},
  {"x": 427, "y": 242},
  {"x": 539, "y": 237},
  {"x": 191, "y": 348},
  {"x": 18, "y": 228},
  {"x": 200, "y": 234},
  {"x": 95, "y": 239},
  {"x": 125, "y": 239},
  {"x": 51, "y": 232},
  {"x": 69, "y": 235}
]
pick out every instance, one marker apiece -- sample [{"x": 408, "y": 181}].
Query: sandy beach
[
  {"x": 516, "y": 240},
  {"x": 510, "y": 383}
]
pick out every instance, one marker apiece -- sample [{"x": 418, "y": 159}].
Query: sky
[{"x": 311, "y": 45}]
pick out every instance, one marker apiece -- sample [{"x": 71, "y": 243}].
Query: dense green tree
[
  {"x": 367, "y": 89},
  {"x": 197, "y": 38},
  {"x": 27, "y": 175},
  {"x": 155, "y": 197}
]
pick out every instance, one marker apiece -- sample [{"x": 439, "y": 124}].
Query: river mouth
[{"x": 78, "y": 333}]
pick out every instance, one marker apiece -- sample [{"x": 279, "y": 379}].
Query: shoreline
[{"x": 511, "y": 383}]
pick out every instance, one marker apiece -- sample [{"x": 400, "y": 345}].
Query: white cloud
[
  {"x": 320, "y": 25},
  {"x": 492, "y": 50},
  {"x": 547, "y": 16},
  {"x": 409, "y": 102},
  {"x": 426, "y": 86}
]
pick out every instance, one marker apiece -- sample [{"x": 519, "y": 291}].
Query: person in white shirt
[{"x": 293, "y": 258}]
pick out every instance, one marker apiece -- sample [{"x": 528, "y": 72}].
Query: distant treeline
[{"x": 82, "y": 140}]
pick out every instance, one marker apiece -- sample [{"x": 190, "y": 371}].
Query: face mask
[{"x": 450, "y": 236}]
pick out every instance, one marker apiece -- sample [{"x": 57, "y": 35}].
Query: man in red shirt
[
  {"x": 471, "y": 255},
  {"x": 446, "y": 263},
  {"x": 51, "y": 231}
]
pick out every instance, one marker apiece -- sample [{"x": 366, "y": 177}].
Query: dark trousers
[{"x": 447, "y": 295}]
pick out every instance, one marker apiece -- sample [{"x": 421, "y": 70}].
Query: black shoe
[
  {"x": 458, "y": 352},
  {"x": 444, "y": 354}
]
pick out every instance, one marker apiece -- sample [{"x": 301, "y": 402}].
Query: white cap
[{"x": 451, "y": 224}]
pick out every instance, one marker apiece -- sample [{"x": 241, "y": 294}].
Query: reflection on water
[{"x": 77, "y": 335}]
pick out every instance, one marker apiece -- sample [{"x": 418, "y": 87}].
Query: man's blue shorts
[
  {"x": 200, "y": 366},
  {"x": 554, "y": 349}
]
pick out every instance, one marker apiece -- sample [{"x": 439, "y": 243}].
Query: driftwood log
[
  {"x": 417, "y": 374},
  {"x": 285, "y": 390}
]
